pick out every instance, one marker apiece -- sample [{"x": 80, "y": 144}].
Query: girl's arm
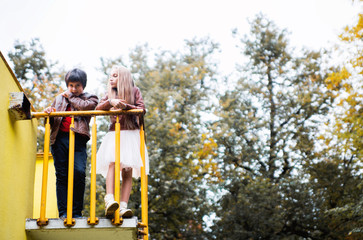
[
  {"x": 139, "y": 101},
  {"x": 104, "y": 104},
  {"x": 88, "y": 102}
]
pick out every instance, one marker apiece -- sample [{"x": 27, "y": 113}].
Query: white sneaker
[
  {"x": 124, "y": 211},
  {"x": 110, "y": 205}
]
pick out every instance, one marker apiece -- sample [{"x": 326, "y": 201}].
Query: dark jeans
[{"x": 60, "y": 152}]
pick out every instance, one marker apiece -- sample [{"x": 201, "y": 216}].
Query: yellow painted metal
[
  {"x": 87, "y": 113},
  {"x": 18, "y": 150},
  {"x": 51, "y": 209},
  {"x": 144, "y": 182},
  {"x": 42, "y": 220},
  {"x": 116, "y": 220},
  {"x": 69, "y": 221},
  {"x": 93, "y": 220},
  {"x": 141, "y": 225}
]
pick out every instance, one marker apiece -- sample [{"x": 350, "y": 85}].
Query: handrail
[
  {"x": 93, "y": 220},
  {"x": 144, "y": 198},
  {"x": 69, "y": 221},
  {"x": 43, "y": 220},
  {"x": 116, "y": 220},
  {"x": 87, "y": 113}
]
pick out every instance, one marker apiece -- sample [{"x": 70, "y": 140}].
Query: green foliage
[
  {"x": 339, "y": 190},
  {"x": 347, "y": 84},
  {"x": 267, "y": 136},
  {"x": 38, "y": 77},
  {"x": 344, "y": 137},
  {"x": 260, "y": 209},
  {"x": 266, "y": 121}
]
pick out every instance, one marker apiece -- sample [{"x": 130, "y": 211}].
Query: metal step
[{"x": 56, "y": 230}]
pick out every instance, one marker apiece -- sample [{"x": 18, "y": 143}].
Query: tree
[
  {"x": 266, "y": 134},
  {"x": 347, "y": 85},
  {"x": 38, "y": 77},
  {"x": 344, "y": 137}
]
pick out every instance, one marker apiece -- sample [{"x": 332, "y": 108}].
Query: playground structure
[{"x": 19, "y": 172}]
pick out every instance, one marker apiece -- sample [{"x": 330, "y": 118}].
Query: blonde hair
[
  {"x": 124, "y": 89},
  {"x": 125, "y": 85}
]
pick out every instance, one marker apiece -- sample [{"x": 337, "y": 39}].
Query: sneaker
[
  {"x": 110, "y": 205},
  {"x": 126, "y": 213}
]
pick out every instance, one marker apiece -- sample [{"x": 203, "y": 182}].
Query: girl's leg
[
  {"x": 110, "y": 204},
  {"x": 110, "y": 179},
  {"x": 125, "y": 192},
  {"x": 126, "y": 184}
]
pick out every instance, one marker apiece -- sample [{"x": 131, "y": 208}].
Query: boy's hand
[
  {"x": 118, "y": 103},
  {"x": 66, "y": 94},
  {"x": 49, "y": 110}
]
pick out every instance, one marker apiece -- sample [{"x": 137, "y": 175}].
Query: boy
[{"x": 74, "y": 99}]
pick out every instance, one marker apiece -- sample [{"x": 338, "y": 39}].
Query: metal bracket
[{"x": 19, "y": 106}]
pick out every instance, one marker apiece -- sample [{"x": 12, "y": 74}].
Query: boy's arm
[
  {"x": 51, "y": 109},
  {"x": 88, "y": 103}
]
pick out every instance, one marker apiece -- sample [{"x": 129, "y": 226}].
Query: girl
[{"x": 121, "y": 94}]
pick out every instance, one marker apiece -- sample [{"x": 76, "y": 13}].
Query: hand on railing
[
  {"x": 118, "y": 103},
  {"x": 49, "y": 110}
]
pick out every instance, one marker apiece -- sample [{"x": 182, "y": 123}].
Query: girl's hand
[
  {"x": 118, "y": 103},
  {"x": 49, "y": 110}
]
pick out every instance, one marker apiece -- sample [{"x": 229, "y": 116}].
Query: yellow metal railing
[
  {"x": 93, "y": 220},
  {"x": 42, "y": 220},
  {"x": 116, "y": 219}
]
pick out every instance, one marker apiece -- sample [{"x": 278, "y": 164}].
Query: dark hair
[{"x": 76, "y": 75}]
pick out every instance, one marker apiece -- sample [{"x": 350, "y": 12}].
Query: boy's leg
[
  {"x": 60, "y": 155},
  {"x": 80, "y": 160}
]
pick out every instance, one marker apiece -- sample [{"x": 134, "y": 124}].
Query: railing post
[
  {"x": 69, "y": 221},
  {"x": 117, "y": 220},
  {"x": 43, "y": 202},
  {"x": 144, "y": 183},
  {"x": 93, "y": 220}
]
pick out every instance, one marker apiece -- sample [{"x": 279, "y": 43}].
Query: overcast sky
[{"x": 79, "y": 32}]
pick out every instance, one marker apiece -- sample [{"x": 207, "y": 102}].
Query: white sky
[{"x": 78, "y": 32}]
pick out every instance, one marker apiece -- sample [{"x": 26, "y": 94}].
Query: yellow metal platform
[{"x": 56, "y": 230}]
